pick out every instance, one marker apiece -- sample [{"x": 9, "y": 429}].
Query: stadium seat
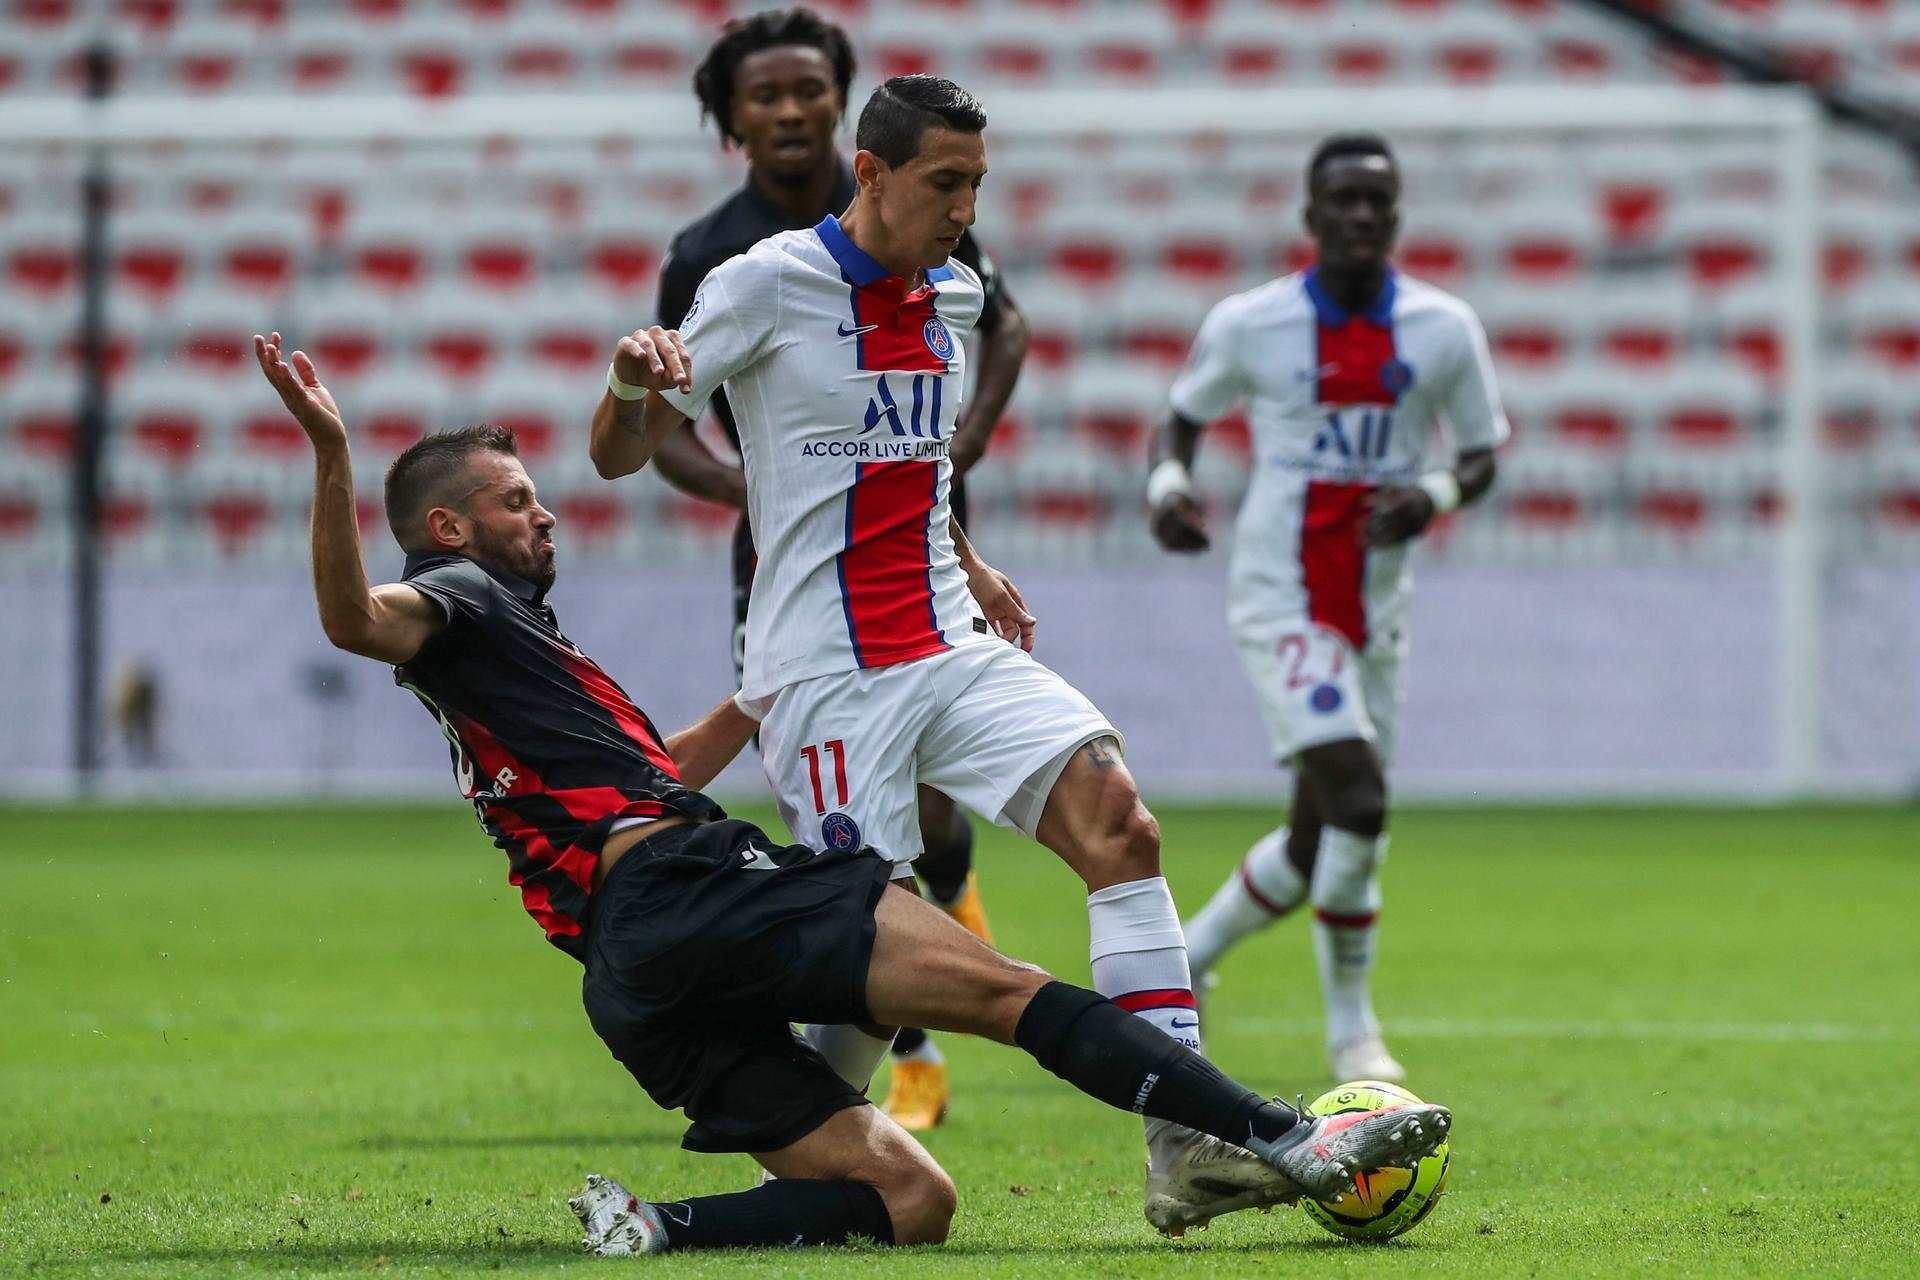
[
  {"x": 500, "y": 251},
  {"x": 390, "y": 248},
  {"x": 1589, "y": 409},
  {"x": 1708, "y": 406},
  {"x": 460, "y": 336},
  {"x": 1746, "y": 326},
  {"x": 1723, "y": 245},
  {"x": 431, "y": 54},
  {"x": 396, "y": 406},
  {"x": 1532, "y": 329},
  {"x": 43, "y": 254},
  {"x": 1641, "y": 328},
  {"x": 573, "y": 334},
  {"x": 41, "y": 419},
  {"x": 347, "y": 331},
  {"x": 650, "y": 46},
  {"x": 262, "y": 250},
  {"x": 1887, "y": 327},
  {"x": 541, "y": 411},
  {"x": 1438, "y": 247},
  {"x": 318, "y": 53}
]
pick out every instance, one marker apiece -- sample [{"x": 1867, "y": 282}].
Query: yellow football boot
[
  {"x": 917, "y": 1099},
  {"x": 969, "y": 911}
]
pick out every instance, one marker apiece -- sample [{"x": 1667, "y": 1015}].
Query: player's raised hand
[
  {"x": 1000, "y": 601},
  {"x": 654, "y": 358},
  {"x": 299, "y": 386},
  {"x": 1180, "y": 523},
  {"x": 1397, "y": 514}
]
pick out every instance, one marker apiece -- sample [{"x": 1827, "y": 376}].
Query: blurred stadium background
[{"x": 1680, "y": 585}]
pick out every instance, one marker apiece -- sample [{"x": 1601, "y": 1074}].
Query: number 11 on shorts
[{"x": 837, "y": 749}]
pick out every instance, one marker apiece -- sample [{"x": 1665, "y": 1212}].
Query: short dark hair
[
  {"x": 1348, "y": 144},
  {"x": 743, "y": 37},
  {"x": 429, "y": 473},
  {"x": 905, "y": 107}
]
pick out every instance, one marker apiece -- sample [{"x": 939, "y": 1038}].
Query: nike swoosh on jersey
[
  {"x": 863, "y": 328},
  {"x": 1314, "y": 375}
]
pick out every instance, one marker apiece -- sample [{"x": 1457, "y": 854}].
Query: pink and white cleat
[{"x": 616, "y": 1222}]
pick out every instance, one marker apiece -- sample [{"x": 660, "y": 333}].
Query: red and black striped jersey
[{"x": 548, "y": 748}]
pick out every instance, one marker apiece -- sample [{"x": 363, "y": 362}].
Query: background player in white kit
[
  {"x": 1345, "y": 367},
  {"x": 875, "y": 635}
]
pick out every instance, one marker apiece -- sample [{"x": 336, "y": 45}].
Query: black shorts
[{"x": 702, "y": 945}]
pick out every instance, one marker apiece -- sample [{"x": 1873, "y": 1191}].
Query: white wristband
[
  {"x": 748, "y": 706},
  {"x": 1167, "y": 479},
  {"x": 623, "y": 390},
  {"x": 1444, "y": 488}
]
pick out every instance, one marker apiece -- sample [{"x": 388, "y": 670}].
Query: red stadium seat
[
  {"x": 153, "y": 253},
  {"x": 345, "y": 332},
  {"x": 1708, "y": 407},
  {"x": 1545, "y": 508},
  {"x": 236, "y": 520},
  {"x": 1675, "y": 510},
  {"x": 43, "y": 255},
  {"x": 260, "y": 251},
  {"x": 1090, "y": 263},
  {"x": 389, "y": 250},
  {"x": 272, "y": 433},
  {"x": 591, "y": 516}
]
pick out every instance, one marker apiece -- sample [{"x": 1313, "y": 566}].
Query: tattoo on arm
[{"x": 1103, "y": 752}]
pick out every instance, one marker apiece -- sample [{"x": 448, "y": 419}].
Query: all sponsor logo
[{"x": 840, "y": 832}]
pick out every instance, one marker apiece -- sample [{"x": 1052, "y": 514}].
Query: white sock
[
  {"x": 848, "y": 1050},
  {"x": 925, "y": 1051},
  {"x": 1346, "y": 903},
  {"x": 1264, "y": 887},
  {"x": 1139, "y": 961}
]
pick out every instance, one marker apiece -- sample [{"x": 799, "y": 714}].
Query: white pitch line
[{"x": 1678, "y": 1032}]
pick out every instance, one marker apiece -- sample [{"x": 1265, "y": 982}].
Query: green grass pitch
[{"x": 327, "y": 1041}]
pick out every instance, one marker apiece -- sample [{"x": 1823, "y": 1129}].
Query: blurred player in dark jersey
[
  {"x": 776, "y": 85},
  {"x": 700, "y": 938}
]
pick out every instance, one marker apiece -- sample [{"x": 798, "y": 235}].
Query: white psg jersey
[
  {"x": 846, "y": 388},
  {"x": 1340, "y": 405}
]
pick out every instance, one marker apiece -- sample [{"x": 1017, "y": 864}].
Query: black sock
[
  {"x": 1127, "y": 1062},
  {"x": 907, "y": 1040},
  {"x": 948, "y": 858},
  {"x": 782, "y": 1212}
]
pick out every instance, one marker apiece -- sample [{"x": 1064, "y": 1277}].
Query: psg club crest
[
  {"x": 840, "y": 832},
  {"x": 1396, "y": 376},
  {"x": 1325, "y": 699},
  {"x": 939, "y": 341}
]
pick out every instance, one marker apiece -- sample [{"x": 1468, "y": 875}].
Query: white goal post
[{"x": 1786, "y": 115}]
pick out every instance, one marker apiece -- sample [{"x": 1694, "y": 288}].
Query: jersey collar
[
  {"x": 418, "y": 562},
  {"x": 1333, "y": 315},
  {"x": 855, "y": 265},
  {"x": 853, "y": 260}
]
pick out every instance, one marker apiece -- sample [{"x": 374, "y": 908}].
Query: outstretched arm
[
  {"x": 1178, "y": 520},
  {"x": 632, "y": 421},
  {"x": 390, "y": 622},
  {"x": 705, "y": 747}
]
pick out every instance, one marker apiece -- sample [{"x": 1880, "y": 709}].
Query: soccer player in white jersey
[
  {"x": 1344, "y": 367},
  {"x": 877, "y": 639}
]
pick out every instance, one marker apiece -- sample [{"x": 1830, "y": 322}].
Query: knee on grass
[{"x": 920, "y": 1200}]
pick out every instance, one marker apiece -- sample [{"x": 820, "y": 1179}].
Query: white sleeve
[
  {"x": 1473, "y": 411},
  {"x": 728, "y": 326},
  {"x": 1210, "y": 383}
]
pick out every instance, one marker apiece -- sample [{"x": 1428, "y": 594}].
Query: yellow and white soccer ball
[{"x": 1385, "y": 1202}]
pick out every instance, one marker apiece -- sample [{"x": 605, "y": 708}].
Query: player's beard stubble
[{"x": 532, "y": 559}]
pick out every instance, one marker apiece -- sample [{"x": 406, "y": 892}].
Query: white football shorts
[
  {"x": 984, "y": 722},
  {"x": 1314, "y": 688}
]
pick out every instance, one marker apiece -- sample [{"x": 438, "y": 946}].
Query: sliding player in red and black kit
[
  {"x": 776, "y": 85},
  {"x": 701, "y": 939}
]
